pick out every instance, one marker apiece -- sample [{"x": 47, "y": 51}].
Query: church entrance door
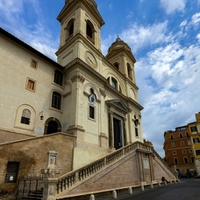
[{"x": 118, "y": 143}]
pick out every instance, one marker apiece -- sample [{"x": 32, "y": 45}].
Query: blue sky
[{"x": 164, "y": 36}]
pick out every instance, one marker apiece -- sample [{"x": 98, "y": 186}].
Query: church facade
[
  {"x": 83, "y": 106},
  {"x": 84, "y": 94}
]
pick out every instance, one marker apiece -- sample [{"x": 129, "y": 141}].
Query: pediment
[{"x": 118, "y": 104}]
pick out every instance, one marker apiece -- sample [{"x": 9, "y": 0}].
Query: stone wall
[
  {"x": 32, "y": 155},
  {"x": 7, "y": 136}
]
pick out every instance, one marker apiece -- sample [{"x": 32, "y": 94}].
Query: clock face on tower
[
  {"x": 90, "y": 59},
  {"x": 92, "y": 98}
]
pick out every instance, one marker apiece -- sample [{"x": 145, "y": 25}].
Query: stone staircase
[{"x": 80, "y": 181}]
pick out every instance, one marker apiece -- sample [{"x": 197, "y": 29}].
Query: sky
[{"x": 164, "y": 36}]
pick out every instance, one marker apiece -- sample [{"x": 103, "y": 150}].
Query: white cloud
[
  {"x": 196, "y": 19},
  {"x": 198, "y": 37},
  {"x": 184, "y": 23},
  {"x": 139, "y": 36},
  {"x": 171, "y": 6},
  {"x": 11, "y": 6},
  {"x": 35, "y": 34},
  {"x": 169, "y": 83}
]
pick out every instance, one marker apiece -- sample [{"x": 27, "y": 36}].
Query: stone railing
[
  {"x": 164, "y": 163},
  {"x": 68, "y": 180}
]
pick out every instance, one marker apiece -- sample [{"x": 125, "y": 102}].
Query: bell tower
[{"x": 80, "y": 29}]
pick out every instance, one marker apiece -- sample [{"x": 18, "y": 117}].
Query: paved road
[{"x": 187, "y": 189}]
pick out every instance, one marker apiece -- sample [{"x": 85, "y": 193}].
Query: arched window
[
  {"x": 175, "y": 161},
  {"x": 114, "y": 83},
  {"x": 181, "y": 136},
  {"x": 58, "y": 77},
  {"x": 171, "y": 137},
  {"x": 56, "y": 100},
  {"x": 116, "y": 65},
  {"x": 70, "y": 28},
  {"x": 185, "y": 160},
  {"x": 90, "y": 30},
  {"x": 129, "y": 71},
  {"x": 182, "y": 143},
  {"x": 26, "y": 116}
]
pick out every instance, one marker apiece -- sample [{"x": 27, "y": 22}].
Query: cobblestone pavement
[{"x": 187, "y": 189}]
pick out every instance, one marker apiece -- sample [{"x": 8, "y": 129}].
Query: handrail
[
  {"x": 164, "y": 163},
  {"x": 69, "y": 179}
]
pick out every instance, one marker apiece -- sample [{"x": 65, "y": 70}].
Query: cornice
[{"x": 103, "y": 80}]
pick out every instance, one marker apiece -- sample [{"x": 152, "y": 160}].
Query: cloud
[
  {"x": 169, "y": 83},
  {"x": 184, "y": 23},
  {"x": 196, "y": 19},
  {"x": 35, "y": 34},
  {"x": 140, "y": 37},
  {"x": 198, "y": 37},
  {"x": 170, "y": 6}
]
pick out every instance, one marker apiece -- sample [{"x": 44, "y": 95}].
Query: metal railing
[{"x": 30, "y": 187}]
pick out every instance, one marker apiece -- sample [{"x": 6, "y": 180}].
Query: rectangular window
[
  {"x": 193, "y": 129},
  {"x": 136, "y": 132},
  {"x": 58, "y": 77},
  {"x": 12, "y": 171},
  {"x": 56, "y": 100},
  {"x": 30, "y": 85},
  {"x": 196, "y": 140},
  {"x": 33, "y": 64},
  {"x": 198, "y": 152},
  {"x": 91, "y": 114}
]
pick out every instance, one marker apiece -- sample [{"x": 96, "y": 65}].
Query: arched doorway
[{"x": 52, "y": 125}]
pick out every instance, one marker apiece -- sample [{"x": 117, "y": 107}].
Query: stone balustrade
[{"x": 68, "y": 180}]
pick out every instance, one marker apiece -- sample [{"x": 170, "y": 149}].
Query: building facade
[{"x": 178, "y": 150}]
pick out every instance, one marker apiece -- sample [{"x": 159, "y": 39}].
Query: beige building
[{"x": 81, "y": 108}]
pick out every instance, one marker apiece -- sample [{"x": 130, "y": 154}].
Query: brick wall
[
  {"x": 7, "y": 136},
  {"x": 32, "y": 155}
]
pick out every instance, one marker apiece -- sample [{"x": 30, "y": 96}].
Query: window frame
[
  {"x": 25, "y": 117},
  {"x": 12, "y": 172},
  {"x": 34, "y": 64},
  {"x": 195, "y": 140},
  {"x": 58, "y": 77},
  {"x": 56, "y": 100},
  {"x": 30, "y": 84}
]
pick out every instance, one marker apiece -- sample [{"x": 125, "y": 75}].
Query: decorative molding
[
  {"x": 102, "y": 92},
  {"x": 78, "y": 78}
]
